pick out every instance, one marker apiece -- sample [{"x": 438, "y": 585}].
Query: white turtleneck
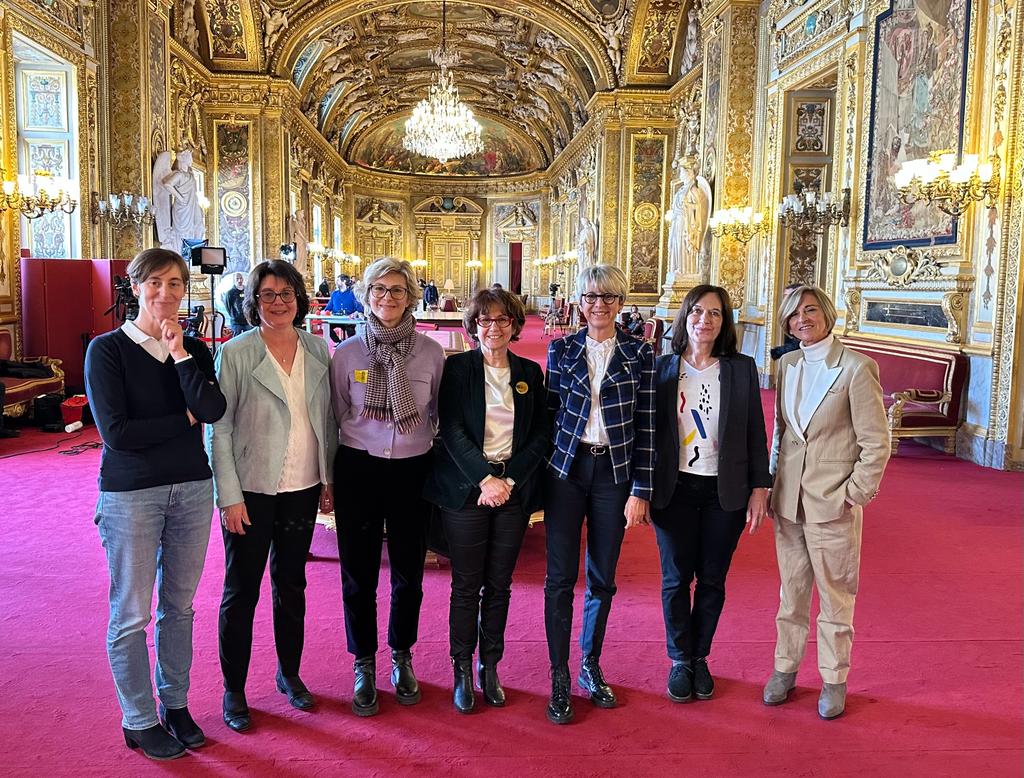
[{"x": 809, "y": 371}]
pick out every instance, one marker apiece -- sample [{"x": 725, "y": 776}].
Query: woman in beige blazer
[{"x": 829, "y": 451}]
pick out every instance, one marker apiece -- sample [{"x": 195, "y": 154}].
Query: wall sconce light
[
  {"x": 316, "y": 251},
  {"x": 37, "y": 194},
  {"x": 741, "y": 224},
  {"x": 344, "y": 258},
  {"x": 121, "y": 210},
  {"x": 474, "y": 264},
  {"x": 950, "y": 187},
  {"x": 806, "y": 213},
  {"x": 419, "y": 264}
]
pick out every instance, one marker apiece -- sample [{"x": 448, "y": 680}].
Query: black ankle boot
[
  {"x": 182, "y": 726},
  {"x": 560, "y": 705},
  {"x": 491, "y": 686},
  {"x": 462, "y": 694},
  {"x": 407, "y": 690},
  {"x": 155, "y": 742},
  {"x": 364, "y": 695},
  {"x": 592, "y": 681}
]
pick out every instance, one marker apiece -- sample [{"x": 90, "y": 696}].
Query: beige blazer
[{"x": 841, "y": 455}]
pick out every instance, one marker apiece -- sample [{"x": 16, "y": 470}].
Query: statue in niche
[
  {"x": 299, "y": 236},
  {"x": 691, "y": 209},
  {"x": 162, "y": 202},
  {"x": 187, "y": 218},
  {"x": 691, "y": 48},
  {"x": 612, "y": 30},
  {"x": 586, "y": 242},
  {"x": 275, "y": 22},
  {"x": 187, "y": 28}
]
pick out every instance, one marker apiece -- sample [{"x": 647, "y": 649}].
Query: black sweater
[{"x": 140, "y": 408}]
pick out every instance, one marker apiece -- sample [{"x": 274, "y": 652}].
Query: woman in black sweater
[{"x": 150, "y": 389}]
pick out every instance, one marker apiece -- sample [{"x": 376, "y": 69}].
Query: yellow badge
[
  {"x": 522, "y": 387},
  {"x": 360, "y": 376}
]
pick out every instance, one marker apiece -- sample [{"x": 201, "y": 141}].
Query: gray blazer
[{"x": 247, "y": 446}]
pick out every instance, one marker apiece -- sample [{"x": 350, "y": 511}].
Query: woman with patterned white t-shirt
[{"x": 710, "y": 477}]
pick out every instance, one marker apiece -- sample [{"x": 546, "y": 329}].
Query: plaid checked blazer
[{"x": 627, "y": 400}]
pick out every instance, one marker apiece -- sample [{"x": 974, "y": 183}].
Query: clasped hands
[{"x": 494, "y": 492}]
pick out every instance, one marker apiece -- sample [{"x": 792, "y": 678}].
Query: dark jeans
[
  {"x": 591, "y": 492},
  {"x": 348, "y": 329},
  {"x": 483, "y": 547},
  {"x": 383, "y": 491},
  {"x": 282, "y": 526},
  {"x": 695, "y": 538}
]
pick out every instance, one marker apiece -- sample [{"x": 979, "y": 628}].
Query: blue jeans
[{"x": 157, "y": 535}]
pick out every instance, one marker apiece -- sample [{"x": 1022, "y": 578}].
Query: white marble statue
[
  {"x": 691, "y": 48},
  {"x": 162, "y": 203},
  {"x": 586, "y": 242},
  {"x": 691, "y": 209},
  {"x": 612, "y": 30},
  {"x": 297, "y": 232},
  {"x": 275, "y": 22},
  {"x": 187, "y": 218}
]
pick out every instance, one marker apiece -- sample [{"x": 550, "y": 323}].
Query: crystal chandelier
[
  {"x": 442, "y": 126},
  {"x": 37, "y": 194},
  {"x": 808, "y": 214}
]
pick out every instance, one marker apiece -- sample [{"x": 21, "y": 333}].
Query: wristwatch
[{"x": 510, "y": 482}]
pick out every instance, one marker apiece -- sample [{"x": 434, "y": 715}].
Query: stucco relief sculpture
[
  {"x": 612, "y": 30},
  {"x": 691, "y": 46},
  {"x": 275, "y": 22}
]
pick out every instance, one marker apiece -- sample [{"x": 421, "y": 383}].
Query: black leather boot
[
  {"x": 155, "y": 742},
  {"x": 182, "y": 726},
  {"x": 364, "y": 695},
  {"x": 591, "y": 680},
  {"x": 490, "y": 685},
  {"x": 560, "y": 705},
  {"x": 462, "y": 694},
  {"x": 407, "y": 690},
  {"x": 236, "y": 711}
]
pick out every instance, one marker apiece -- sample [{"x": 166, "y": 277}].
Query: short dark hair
[
  {"x": 487, "y": 298},
  {"x": 149, "y": 261},
  {"x": 725, "y": 343},
  {"x": 287, "y": 273}
]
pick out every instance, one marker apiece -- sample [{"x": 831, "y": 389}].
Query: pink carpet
[{"x": 935, "y": 689}]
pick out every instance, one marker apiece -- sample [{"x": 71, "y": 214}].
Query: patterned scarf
[{"x": 389, "y": 396}]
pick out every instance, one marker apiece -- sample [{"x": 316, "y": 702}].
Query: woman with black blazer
[
  {"x": 710, "y": 477},
  {"x": 495, "y": 434}
]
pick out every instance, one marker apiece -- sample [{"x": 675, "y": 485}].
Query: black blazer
[
  {"x": 742, "y": 443},
  {"x": 459, "y": 464}
]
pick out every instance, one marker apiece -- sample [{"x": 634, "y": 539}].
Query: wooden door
[{"x": 447, "y": 257}]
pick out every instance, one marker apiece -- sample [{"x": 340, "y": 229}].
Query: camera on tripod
[
  {"x": 126, "y": 306},
  {"x": 553, "y": 288}
]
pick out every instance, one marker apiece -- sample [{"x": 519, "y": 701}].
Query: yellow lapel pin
[
  {"x": 522, "y": 387},
  {"x": 360, "y": 376}
]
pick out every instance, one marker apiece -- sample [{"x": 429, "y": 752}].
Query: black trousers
[
  {"x": 696, "y": 538},
  {"x": 483, "y": 546},
  {"x": 591, "y": 492},
  {"x": 282, "y": 526},
  {"x": 385, "y": 491}
]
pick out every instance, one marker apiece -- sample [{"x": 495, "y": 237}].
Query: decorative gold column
[{"x": 730, "y": 61}]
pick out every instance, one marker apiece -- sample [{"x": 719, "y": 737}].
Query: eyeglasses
[
  {"x": 268, "y": 296},
  {"x": 397, "y": 292},
  {"x": 501, "y": 321},
  {"x": 608, "y": 299}
]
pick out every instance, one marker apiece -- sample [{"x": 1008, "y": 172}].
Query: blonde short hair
[
  {"x": 381, "y": 268},
  {"x": 791, "y": 302},
  {"x": 607, "y": 278}
]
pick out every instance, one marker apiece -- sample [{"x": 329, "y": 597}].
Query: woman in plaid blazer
[{"x": 600, "y": 386}]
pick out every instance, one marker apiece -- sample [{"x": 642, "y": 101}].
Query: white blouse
[
  {"x": 599, "y": 356},
  {"x": 499, "y": 413},
  {"x": 699, "y": 400},
  {"x": 301, "y": 468}
]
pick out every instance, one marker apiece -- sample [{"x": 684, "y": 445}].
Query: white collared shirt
[
  {"x": 599, "y": 355},
  {"x": 301, "y": 467},
  {"x": 152, "y": 346}
]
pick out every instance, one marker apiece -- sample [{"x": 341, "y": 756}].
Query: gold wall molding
[
  {"x": 813, "y": 29},
  {"x": 901, "y": 267},
  {"x": 652, "y": 46},
  {"x": 954, "y": 305},
  {"x": 853, "y": 299},
  {"x": 961, "y": 282}
]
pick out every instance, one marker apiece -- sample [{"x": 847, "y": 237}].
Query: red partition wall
[{"x": 56, "y": 302}]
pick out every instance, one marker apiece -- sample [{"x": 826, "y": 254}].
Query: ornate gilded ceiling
[{"x": 529, "y": 67}]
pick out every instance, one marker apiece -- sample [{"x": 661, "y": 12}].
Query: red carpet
[{"x": 935, "y": 688}]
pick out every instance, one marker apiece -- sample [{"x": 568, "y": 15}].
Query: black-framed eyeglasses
[
  {"x": 268, "y": 296},
  {"x": 502, "y": 321},
  {"x": 397, "y": 292},
  {"x": 608, "y": 298}
]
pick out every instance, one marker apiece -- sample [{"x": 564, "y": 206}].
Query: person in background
[
  {"x": 789, "y": 343},
  {"x": 324, "y": 290},
  {"x": 384, "y": 384},
  {"x": 486, "y": 480},
  {"x": 343, "y": 302},
  {"x": 829, "y": 452},
  {"x": 710, "y": 478},
  {"x": 600, "y": 387},
  {"x": 635, "y": 323},
  {"x": 150, "y": 388},
  {"x": 431, "y": 295},
  {"x": 273, "y": 458},
  {"x": 233, "y": 302}
]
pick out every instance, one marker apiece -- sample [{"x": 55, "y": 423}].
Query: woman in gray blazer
[
  {"x": 273, "y": 456},
  {"x": 710, "y": 478}
]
